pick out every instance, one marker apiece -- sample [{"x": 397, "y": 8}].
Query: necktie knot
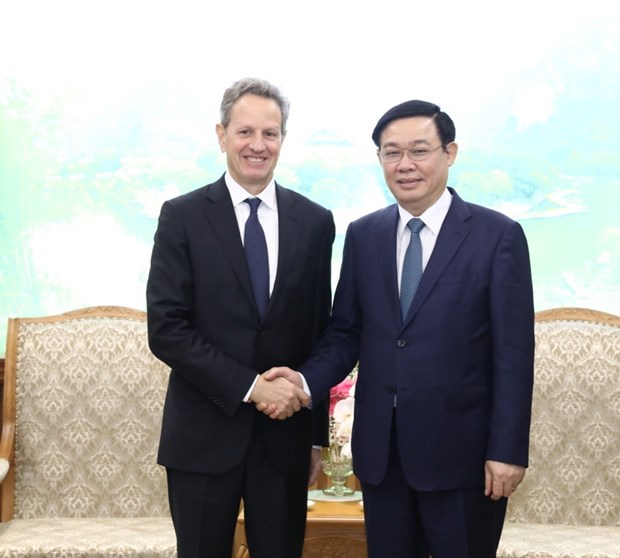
[
  {"x": 415, "y": 225},
  {"x": 253, "y": 203}
]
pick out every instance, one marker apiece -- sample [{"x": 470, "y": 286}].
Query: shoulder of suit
[
  {"x": 286, "y": 195},
  {"x": 489, "y": 214},
  {"x": 376, "y": 216},
  {"x": 193, "y": 196},
  {"x": 466, "y": 210}
]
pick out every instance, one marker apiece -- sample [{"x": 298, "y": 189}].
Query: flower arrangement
[
  {"x": 341, "y": 411},
  {"x": 338, "y": 458}
]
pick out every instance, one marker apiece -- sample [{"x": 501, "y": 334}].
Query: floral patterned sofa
[
  {"x": 568, "y": 506},
  {"x": 82, "y": 406}
]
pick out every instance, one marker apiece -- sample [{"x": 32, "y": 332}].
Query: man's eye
[{"x": 419, "y": 152}]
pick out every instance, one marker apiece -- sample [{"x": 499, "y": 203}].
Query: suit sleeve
[
  {"x": 320, "y": 412},
  {"x": 338, "y": 351},
  {"x": 512, "y": 323}
]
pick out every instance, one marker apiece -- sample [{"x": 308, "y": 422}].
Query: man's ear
[
  {"x": 452, "y": 150},
  {"x": 221, "y": 136}
]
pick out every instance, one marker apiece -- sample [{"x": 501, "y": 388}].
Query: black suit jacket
[{"x": 203, "y": 322}]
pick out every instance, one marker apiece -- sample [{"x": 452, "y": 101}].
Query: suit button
[
  {"x": 389, "y": 389},
  {"x": 401, "y": 343}
]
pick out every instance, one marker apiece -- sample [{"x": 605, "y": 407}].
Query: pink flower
[
  {"x": 341, "y": 411},
  {"x": 340, "y": 392}
]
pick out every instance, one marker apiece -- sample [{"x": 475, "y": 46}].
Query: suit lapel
[
  {"x": 385, "y": 249},
  {"x": 453, "y": 232},
  {"x": 289, "y": 221},
  {"x": 221, "y": 214}
]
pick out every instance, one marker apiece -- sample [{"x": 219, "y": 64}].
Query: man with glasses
[{"x": 435, "y": 301}]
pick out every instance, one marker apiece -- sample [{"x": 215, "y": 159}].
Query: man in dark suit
[
  {"x": 443, "y": 396},
  {"x": 218, "y": 327}
]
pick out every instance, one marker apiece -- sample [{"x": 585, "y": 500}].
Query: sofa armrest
[
  {"x": 4, "y": 468},
  {"x": 6, "y": 446}
]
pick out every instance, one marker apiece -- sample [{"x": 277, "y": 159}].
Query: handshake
[{"x": 279, "y": 393}]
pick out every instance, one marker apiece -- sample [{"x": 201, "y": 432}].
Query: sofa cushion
[
  {"x": 533, "y": 540},
  {"x": 574, "y": 471},
  {"x": 135, "y": 537},
  {"x": 89, "y": 397}
]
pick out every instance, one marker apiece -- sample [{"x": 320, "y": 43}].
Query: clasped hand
[{"x": 279, "y": 393}]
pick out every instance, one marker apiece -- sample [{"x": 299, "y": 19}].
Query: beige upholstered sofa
[
  {"x": 568, "y": 506},
  {"x": 81, "y": 418},
  {"x": 82, "y": 406}
]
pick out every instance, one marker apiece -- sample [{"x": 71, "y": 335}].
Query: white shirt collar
[
  {"x": 433, "y": 217},
  {"x": 239, "y": 194}
]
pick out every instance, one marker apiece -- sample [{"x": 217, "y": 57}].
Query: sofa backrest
[
  {"x": 88, "y": 397},
  {"x": 574, "y": 472}
]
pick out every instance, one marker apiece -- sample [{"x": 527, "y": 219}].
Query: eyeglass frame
[{"x": 425, "y": 156}]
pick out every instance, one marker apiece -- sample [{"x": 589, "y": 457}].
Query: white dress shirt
[
  {"x": 267, "y": 217},
  {"x": 433, "y": 218}
]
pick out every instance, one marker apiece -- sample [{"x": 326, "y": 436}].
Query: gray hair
[{"x": 253, "y": 86}]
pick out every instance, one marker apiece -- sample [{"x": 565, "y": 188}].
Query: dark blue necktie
[
  {"x": 255, "y": 247},
  {"x": 412, "y": 267}
]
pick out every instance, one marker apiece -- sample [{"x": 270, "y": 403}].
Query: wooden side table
[{"x": 333, "y": 530}]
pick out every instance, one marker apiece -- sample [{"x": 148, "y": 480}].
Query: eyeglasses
[{"x": 395, "y": 155}]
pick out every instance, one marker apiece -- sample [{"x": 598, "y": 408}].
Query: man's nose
[
  {"x": 257, "y": 143},
  {"x": 406, "y": 162}
]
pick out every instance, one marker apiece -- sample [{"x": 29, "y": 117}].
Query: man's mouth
[{"x": 409, "y": 181}]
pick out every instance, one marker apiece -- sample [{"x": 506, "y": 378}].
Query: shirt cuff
[
  {"x": 246, "y": 399},
  {"x": 306, "y": 388}
]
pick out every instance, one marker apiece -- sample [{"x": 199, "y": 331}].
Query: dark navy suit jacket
[{"x": 461, "y": 366}]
